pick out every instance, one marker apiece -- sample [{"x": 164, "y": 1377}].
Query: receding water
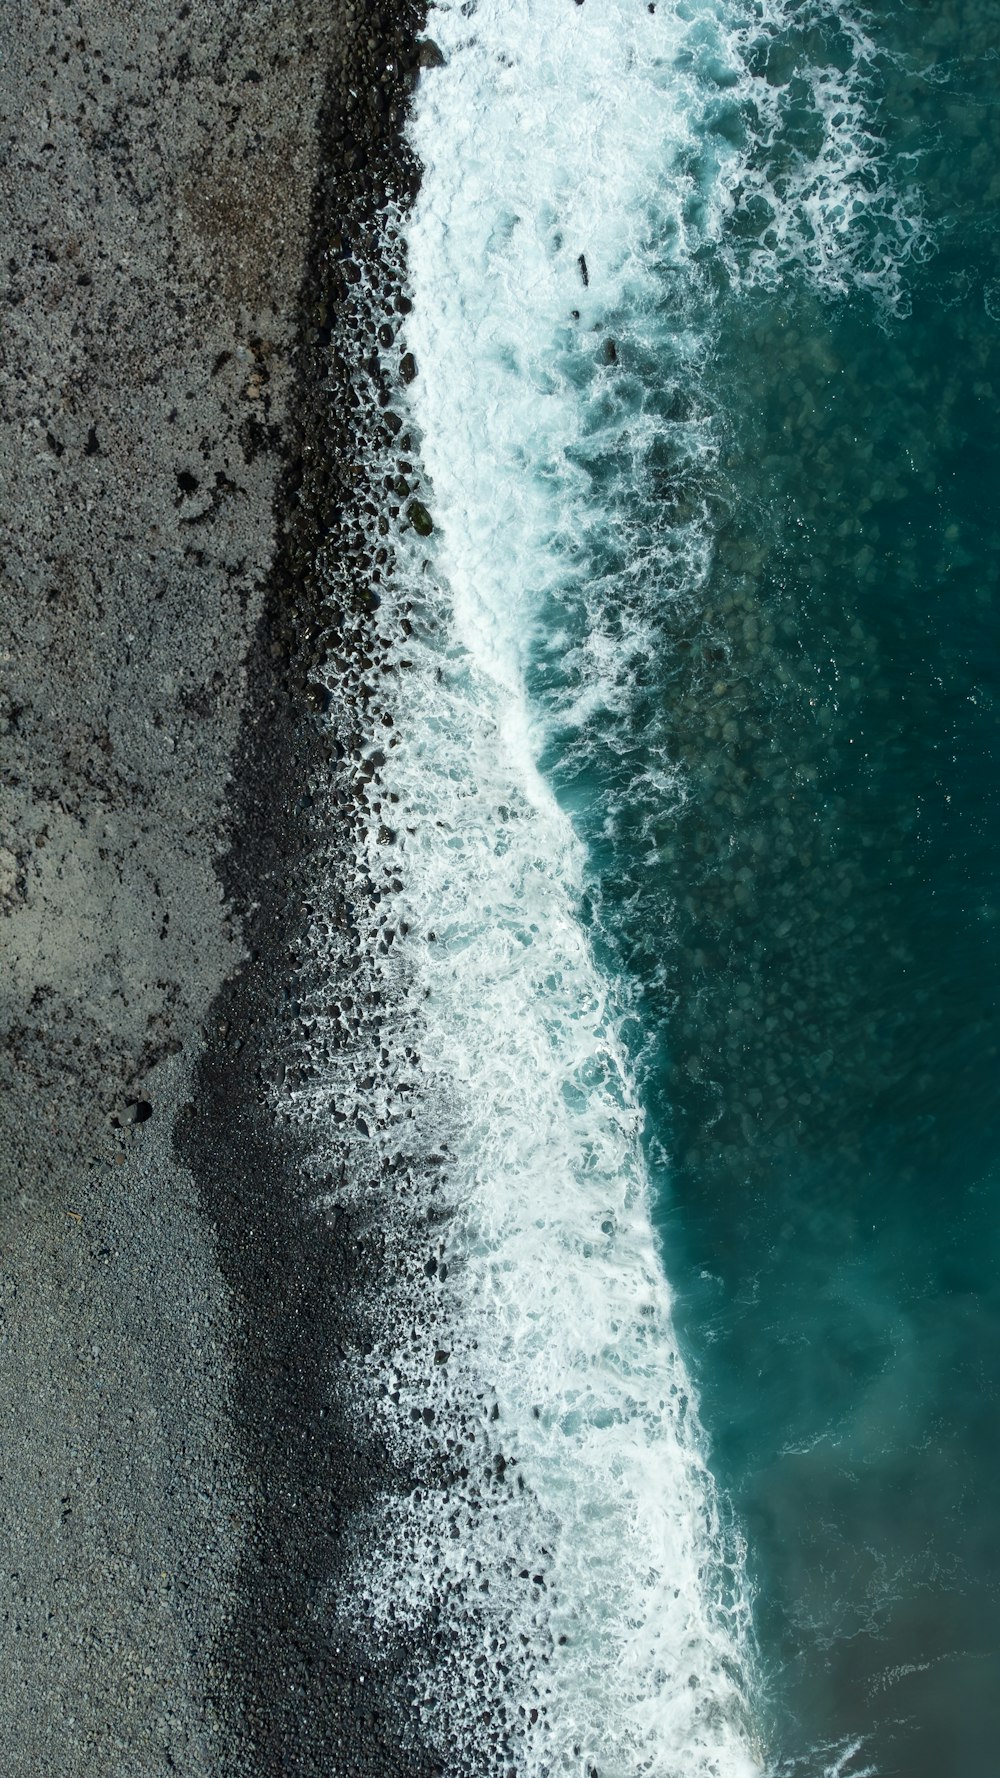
[{"x": 699, "y": 764}]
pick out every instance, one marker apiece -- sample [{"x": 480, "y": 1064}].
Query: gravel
[{"x": 157, "y": 175}]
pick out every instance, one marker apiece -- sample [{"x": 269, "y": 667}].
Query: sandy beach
[{"x": 161, "y": 228}]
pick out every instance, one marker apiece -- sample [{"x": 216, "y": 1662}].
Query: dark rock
[{"x": 420, "y": 518}]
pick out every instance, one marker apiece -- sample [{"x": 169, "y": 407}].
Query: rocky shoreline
[{"x": 186, "y": 197}]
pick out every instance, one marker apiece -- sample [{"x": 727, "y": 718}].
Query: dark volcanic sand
[{"x": 179, "y": 1465}]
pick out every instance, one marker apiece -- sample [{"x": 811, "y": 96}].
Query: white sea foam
[
  {"x": 540, "y": 145},
  {"x": 560, "y": 1311},
  {"x": 576, "y": 159},
  {"x": 815, "y": 177}
]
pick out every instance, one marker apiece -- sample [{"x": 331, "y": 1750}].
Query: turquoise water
[
  {"x": 809, "y": 918},
  {"x": 692, "y": 694}
]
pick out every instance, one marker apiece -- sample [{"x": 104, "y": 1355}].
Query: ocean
[{"x": 691, "y": 625}]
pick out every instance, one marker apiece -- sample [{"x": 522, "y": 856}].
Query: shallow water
[{"x": 696, "y": 763}]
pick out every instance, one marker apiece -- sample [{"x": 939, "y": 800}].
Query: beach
[
  {"x": 161, "y": 211},
  {"x": 498, "y": 676}
]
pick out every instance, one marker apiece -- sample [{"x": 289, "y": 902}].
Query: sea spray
[{"x": 608, "y": 1562}]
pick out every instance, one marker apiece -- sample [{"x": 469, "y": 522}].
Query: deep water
[{"x": 810, "y": 924}]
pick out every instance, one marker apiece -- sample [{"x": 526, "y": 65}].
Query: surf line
[{"x": 554, "y": 1570}]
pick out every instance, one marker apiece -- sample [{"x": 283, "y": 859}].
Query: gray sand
[{"x": 156, "y": 178}]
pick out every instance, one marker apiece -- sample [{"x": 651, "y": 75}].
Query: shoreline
[{"x": 293, "y": 1693}]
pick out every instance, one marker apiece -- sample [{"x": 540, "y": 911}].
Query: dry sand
[{"x": 157, "y": 172}]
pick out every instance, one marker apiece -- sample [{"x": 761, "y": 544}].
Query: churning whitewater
[{"x": 583, "y": 167}]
